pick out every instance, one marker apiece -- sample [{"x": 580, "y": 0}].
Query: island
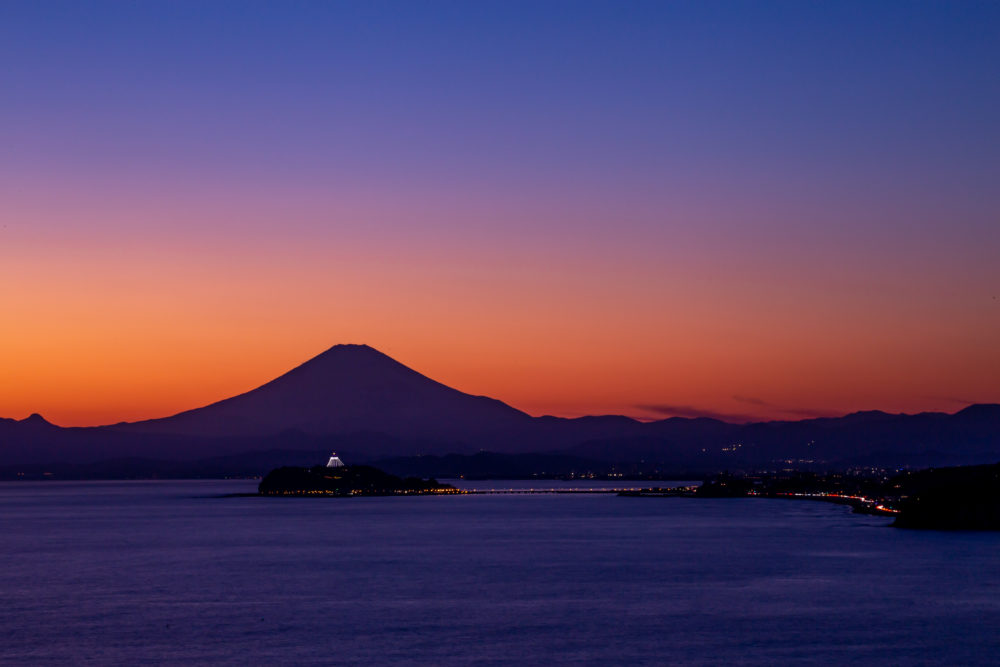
[{"x": 338, "y": 480}]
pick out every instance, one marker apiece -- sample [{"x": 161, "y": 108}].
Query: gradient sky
[{"x": 749, "y": 209}]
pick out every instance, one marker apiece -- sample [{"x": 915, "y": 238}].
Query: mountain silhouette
[
  {"x": 360, "y": 402},
  {"x": 348, "y": 388}
]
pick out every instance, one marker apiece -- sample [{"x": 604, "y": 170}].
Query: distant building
[{"x": 334, "y": 461}]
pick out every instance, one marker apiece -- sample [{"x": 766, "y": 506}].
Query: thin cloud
[
  {"x": 950, "y": 399},
  {"x": 808, "y": 413},
  {"x": 692, "y": 412},
  {"x": 752, "y": 401}
]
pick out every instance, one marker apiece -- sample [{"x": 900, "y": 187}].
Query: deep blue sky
[{"x": 617, "y": 90}]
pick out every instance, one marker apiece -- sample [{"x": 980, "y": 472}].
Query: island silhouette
[{"x": 338, "y": 480}]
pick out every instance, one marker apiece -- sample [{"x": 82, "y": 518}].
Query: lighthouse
[{"x": 335, "y": 461}]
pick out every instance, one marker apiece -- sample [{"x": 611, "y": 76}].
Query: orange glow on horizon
[{"x": 107, "y": 323}]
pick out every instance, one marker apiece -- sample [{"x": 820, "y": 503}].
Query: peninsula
[{"x": 952, "y": 498}]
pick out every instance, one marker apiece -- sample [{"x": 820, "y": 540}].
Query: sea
[{"x": 177, "y": 572}]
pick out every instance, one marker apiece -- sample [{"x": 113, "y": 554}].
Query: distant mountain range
[{"x": 368, "y": 406}]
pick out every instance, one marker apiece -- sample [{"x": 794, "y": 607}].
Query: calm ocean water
[{"x": 127, "y": 572}]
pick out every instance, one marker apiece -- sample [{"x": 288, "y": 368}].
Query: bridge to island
[{"x": 630, "y": 490}]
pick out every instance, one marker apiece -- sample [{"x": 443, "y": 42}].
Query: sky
[{"x": 751, "y": 210}]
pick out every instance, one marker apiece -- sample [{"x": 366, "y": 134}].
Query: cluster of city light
[{"x": 874, "y": 504}]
